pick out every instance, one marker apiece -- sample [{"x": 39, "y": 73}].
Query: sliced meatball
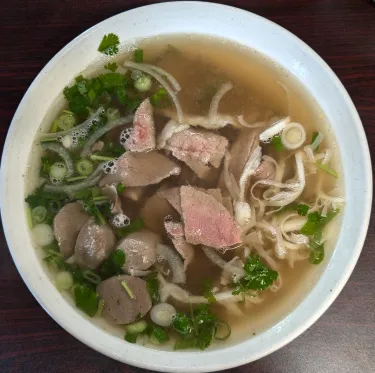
[
  {"x": 66, "y": 226},
  {"x": 122, "y": 306},
  {"x": 94, "y": 244},
  {"x": 140, "y": 250}
]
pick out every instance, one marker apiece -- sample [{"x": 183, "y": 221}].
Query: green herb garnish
[
  {"x": 86, "y": 299},
  {"x": 112, "y": 266},
  {"x": 207, "y": 291},
  {"x": 152, "y": 284},
  {"x": 327, "y": 169},
  {"x": 111, "y": 66},
  {"x": 109, "y": 44},
  {"x": 277, "y": 143},
  {"x": 257, "y": 276},
  {"x": 134, "y": 226},
  {"x": 120, "y": 188},
  {"x": 138, "y": 55}
]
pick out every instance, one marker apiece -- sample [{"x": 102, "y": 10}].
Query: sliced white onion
[
  {"x": 293, "y": 135},
  {"x": 317, "y": 141},
  {"x": 162, "y": 81},
  {"x": 43, "y": 234},
  {"x": 309, "y": 153},
  {"x": 170, "y": 129},
  {"x": 214, "y": 107},
  {"x": 175, "y": 262},
  {"x": 273, "y": 130},
  {"x": 243, "y": 122},
  {"x": 162, "y": 314}
]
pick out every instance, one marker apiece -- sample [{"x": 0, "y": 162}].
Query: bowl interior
[{"x": 243, "y": 28}]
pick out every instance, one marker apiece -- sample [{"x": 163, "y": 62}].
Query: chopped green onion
[
  {"x": 66, "y": 121},
  {"x": 84, "y": 167},
  {"x": 131, "y": 338},
  {"x": 158, "y": 97},
  {"x": 314, "y": 136},
  {"x": 100, "y": 198},
  {"x": 91, "y": 277},
  {"x": 137, "y": 327},
  {"x": 277, "y": 143},
  {"x": 100, "y": 308},
  {"x": 76, "y": 178},
  {"x": 94, "y": 157},
  {"x": 29, "y": 217},
  {"x": 58, "y": 171},
  {"x": 143, "y": 84},
  {"x": 138, "y": 55},
  {"x": 128, "y": 290},
  {"x": 158, "y": 335},
  {"x": 120, "y": 187},
  {"x": 38, "y": 214},
  {"x": 64, "y": 280},
  {"x": 327, "y": 169},
  {"x": 91, "y": 95},
  {"x": 113, "y": 114},
  {"x": 49, "y": 139},
  {"x": 55, "y": 126},
  {"x": 227, "y": 333}
]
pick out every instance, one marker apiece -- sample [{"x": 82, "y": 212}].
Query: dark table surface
[{"x": 342, "y": 32}]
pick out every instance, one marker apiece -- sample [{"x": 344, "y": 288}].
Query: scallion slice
[{"x": 84, "y": 167}]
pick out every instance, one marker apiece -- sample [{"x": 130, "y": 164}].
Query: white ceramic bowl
[{"x": 244, "y": 28}]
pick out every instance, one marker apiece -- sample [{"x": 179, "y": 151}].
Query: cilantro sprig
[{"x": 109, "y": 44}]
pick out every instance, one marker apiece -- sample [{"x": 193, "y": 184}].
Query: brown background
[{"x": 342, "y": 32}]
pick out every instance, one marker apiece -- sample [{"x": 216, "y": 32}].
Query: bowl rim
[{"x": 327, "y": 299}]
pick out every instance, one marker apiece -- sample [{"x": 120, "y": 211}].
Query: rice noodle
[
  {"x": 292, "y": 237},
  {"x": 327, "y": 156},
  {"x": 168, "y": 131},
  {"x": 176, "y": 292},
  {"x": 273, "y": 130},
  {"x": 250, "y": 167},
  {"x": 285, "y": 198},
  {"x": 72, "y": 188},
  {"x": 280, "y": 249},
  {"x": 242, "y": 213},
  {"x": 63, "y": 153},
  {"x": 175, "y": 262},
  {"x": 163, "y": 83},
  {"x": 217, "y": 260},
  {"x": 85, "y": 125},
  {"x": 102, "y": 131},
  {"x": 231, "y": 185},
  {"x": 243, "y": 122},
  {"x": 317, "y": 141},
  {"x": 214, "y": 106}
]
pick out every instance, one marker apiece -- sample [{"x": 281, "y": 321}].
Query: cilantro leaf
[
  {"x": 138, "y": 55},
  {"x": 113, "y": 264},
  {"x": 111, "y": 66},
  {"x": 86, "y": 299},
  {"x": 109, "y": 44},
  {"x": 302, "y": 209},
  {"x": 257, "y": 276},
  {"x": 207, "y": 292},
  {"x": 152, "y": 285}
]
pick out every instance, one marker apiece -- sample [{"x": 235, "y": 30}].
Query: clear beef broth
[{"x": 262, "y": 92}]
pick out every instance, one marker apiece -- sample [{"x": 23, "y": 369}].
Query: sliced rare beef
[
  {"x": 67, "y": 225},
  {"x": 140, "y": 250},
  {"x": 207, "y": 221},
  {"x": 94, "y": 244},
  {"x": 198, "y": 149},
  {"x": 140, "y": 169},
  {"x": 123, "y": 306},
  {"x": 173, "y": 196},
  {"x": 265, "y": 171},
  {"x": 176, "y": 233},
  {"x": 142, "y": 136},
  {"x": 241, "y": 150}
]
